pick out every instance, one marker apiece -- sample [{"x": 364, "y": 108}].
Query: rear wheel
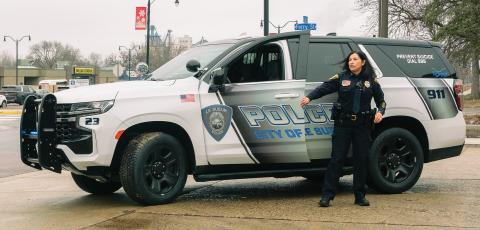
[
  {"x": 154, "y": 168},
  {"x": 95, "y": 187},
  {"x": 395, "y": 162}
]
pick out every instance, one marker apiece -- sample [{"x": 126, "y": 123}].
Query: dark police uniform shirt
[{"x": 348, "y": 87}]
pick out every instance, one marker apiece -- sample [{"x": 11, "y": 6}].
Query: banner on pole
[{"x": 141, "y": 18}]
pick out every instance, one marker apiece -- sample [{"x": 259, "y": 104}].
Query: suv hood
[{"x": 107, "y": 91}]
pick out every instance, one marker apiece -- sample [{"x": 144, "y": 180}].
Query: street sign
[{"x": 306, "y": 26}]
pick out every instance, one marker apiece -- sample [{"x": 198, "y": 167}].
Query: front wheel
[
  {"x": 395, "y": 161},
  {"x": 4, "y": 104},
  {"x": 154, "y": 168},
  {"x": 95, "y": 187}
]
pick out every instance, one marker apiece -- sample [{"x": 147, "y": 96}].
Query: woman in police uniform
[{"x": 356, "y": 86}]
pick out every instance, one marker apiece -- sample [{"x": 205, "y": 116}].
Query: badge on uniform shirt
[
  {"x": 367, "y": 84},
  {"x": 346, "y": 82}
]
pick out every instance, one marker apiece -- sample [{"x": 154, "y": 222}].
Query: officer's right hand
[{"x": 304, "y": 101}]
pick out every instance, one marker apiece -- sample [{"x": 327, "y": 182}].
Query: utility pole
[
  {"x": 383, "y": 18},
  {"x": 265, "y": 18},
  {"x": 16, "y": 53}
]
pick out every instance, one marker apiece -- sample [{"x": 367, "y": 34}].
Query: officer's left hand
[{"x": 378, "y": 118}]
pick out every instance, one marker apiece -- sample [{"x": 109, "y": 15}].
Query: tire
[
  {"x": 95, "y": 187},
  {"x": 395, "y": 161},
  {"x": 4, "y": 104},
  {"x": 154, "y": 168}
]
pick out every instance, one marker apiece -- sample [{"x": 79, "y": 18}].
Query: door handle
[{"x": 286, "y": 95}]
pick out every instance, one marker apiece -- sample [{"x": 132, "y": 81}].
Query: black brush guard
[{"x": 38, "y": 141}]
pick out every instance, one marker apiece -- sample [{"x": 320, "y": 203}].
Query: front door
[{"x": 264, "y": 97}]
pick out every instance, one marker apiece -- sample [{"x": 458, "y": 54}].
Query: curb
[
  {"x": 11, "y": 112},
  {"x": 473, "y": 131}
]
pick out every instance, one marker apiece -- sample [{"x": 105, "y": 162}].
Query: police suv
[{"x": 230, "y": 109}]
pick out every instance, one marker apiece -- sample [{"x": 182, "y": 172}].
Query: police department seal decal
[{"x": 217, "y": 119}]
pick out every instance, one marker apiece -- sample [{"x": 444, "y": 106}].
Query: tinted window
[
  {"x": 323, "y": 61},
  {"x": 260, "y": 64},
  {"x": 421, "y": 62},
  {"x": 293, "y": 47},
  {"x": 386, "y": 65}
]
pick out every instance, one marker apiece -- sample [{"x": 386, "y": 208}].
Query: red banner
[{"x": 141, "y": 18}]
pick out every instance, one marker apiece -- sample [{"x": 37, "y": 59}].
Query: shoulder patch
[{"x": 334, "y": 77}]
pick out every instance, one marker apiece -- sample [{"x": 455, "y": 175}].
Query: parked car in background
[
  {"x": 3, "y": 102},
  {"x": 17, "y": 93},
  {"x": 41, "y": 92}
]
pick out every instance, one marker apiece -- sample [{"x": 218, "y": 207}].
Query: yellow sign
[{"x": 83, "y": 71}]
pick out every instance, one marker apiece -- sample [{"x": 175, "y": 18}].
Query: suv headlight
[{"x": 93, "y": 107}]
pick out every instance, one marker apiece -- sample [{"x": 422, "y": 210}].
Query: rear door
[{"x": 324, "y": 61}]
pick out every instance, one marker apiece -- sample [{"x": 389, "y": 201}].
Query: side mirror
[
  {"x": 218, "y": 80},
  {"x": 193, "y": 65}
]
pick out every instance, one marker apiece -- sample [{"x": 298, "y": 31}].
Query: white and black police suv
[{"x": 230, "y": 109}]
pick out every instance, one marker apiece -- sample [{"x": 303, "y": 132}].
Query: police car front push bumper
[{"x": 38, "y": 141}]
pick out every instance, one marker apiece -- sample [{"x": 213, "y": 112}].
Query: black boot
[
  {"x": 362, "y": 201},
  {"x": 324, "y": 201}
]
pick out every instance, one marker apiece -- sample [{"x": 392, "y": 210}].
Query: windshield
[{"x": 176, "y": 68}]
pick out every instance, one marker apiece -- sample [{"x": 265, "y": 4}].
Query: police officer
[{"x": 356, "y": 86}]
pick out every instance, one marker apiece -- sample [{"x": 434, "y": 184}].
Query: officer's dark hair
[{"x": 367, "y": 69}]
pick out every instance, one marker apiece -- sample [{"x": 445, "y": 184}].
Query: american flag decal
[{"x": 187, "y": 98}]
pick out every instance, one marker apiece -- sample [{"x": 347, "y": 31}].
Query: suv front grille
[{"x": 69, "y": 133}]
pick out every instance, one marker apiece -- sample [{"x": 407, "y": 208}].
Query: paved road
[
  {"x": 446, "y": 197},
  {"x": 10, "y": 163}
]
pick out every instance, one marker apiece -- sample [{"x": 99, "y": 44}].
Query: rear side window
[
  {"x": 324, "y": 61},
  {"x": 415, "y": 62}
]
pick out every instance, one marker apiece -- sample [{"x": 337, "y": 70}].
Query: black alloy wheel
[
  {"x": 154, "y": 168},
  {"x": 396, "y": 161},
  {"x": 161, "y": 170}
]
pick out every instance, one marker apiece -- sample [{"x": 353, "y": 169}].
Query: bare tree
[
  {"x": 405, "y": 18},
  {"x": 6, "y": 60},
  {"x": 46, "y": 54},
  {"x": 94, "y": 59},
  {"x": 454, "y": 23}
]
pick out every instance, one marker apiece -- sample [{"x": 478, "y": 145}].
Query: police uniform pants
[{"x": 343, "y": 136}]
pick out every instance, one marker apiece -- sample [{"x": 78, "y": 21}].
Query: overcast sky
[{"x": 102, "y": 25}]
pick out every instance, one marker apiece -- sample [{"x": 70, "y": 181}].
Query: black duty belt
[{"x": 355, "y": 116}]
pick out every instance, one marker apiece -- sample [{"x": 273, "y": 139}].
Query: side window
[
  {"x": 388, "y": 68},
  {"x": 324, "y": 61},
  {"x": 417, "y": 62},
  {"x": 264, "y": 63}
]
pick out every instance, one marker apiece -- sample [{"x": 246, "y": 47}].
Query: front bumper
[{"x": 44, "y": 126}]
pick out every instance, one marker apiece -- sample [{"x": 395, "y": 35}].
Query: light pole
[
  {"x": 129, "y": 56},
  {"x": 265, "y": 17},
  {"x": 177, "y": 2},
  {"x": 262, "y": 24},
  {"x": 16, "y": 53}
]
